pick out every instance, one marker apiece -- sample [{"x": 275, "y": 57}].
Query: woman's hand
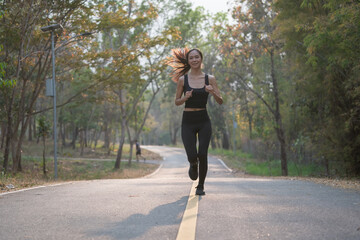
[
  {"x": 209, "y": 88},
  {"x": 214, "y": 90},
  {"x": 188, "y": 94}
]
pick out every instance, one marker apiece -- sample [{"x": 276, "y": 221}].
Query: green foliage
[
  {"x": 43, "y": 127},
  {"x": 246, "y": 163},
  {"x": 234, "y": 160},
  {"x": 5, "y": 83},
  {"x": 115, "y": 75},
  {"x": 273, "y": 168},
  {"x": 231, "y": 154},
  {"x": 324, "y": 51},
  {"x": 189, "y": 23}
]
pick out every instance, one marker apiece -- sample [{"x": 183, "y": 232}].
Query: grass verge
[
  {"x": 244, "y": 165},
  {"x": 74, "y": 169}
]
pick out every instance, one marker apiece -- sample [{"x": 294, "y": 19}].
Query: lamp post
[{"x": 52, "y": 28}]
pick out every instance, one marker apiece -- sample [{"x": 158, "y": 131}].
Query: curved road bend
[{"x": 159, "y": 207}]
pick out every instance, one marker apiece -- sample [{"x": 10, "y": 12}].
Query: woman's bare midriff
[{"x": 193, "y": 109}]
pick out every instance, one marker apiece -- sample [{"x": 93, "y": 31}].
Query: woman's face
[{"x": 194, "y": 59}]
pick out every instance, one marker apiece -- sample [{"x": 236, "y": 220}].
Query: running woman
[{"x": 193, "y": 89}]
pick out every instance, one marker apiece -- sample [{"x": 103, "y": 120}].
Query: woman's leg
[
  {"x": 204, "y": 141},
  {"x": 188, "y": 135}
]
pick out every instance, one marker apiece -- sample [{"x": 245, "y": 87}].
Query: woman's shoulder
[
  {"x": 211, "y": 78},
  {"x": 181, "y": 79}
]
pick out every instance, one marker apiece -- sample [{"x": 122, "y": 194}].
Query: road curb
[
  {"x": 155, "y": 172},
  {"x": 33, "y": 188},
  {"x": 224, "y": 165}
]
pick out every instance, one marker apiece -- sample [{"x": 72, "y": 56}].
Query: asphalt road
[{"x": 153, "y": 207}]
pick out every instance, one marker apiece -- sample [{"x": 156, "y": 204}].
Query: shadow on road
[{"x": 137, "y": 224}]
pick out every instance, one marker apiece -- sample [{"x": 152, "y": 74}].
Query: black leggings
[{"x": 197, "y": 124}]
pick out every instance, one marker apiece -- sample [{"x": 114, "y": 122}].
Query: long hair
[{"x": 179, "y": 62}]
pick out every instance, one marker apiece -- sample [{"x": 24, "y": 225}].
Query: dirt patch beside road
[
  {"x": 338, "y": 183},
  {"x": 351, "y": 184}
]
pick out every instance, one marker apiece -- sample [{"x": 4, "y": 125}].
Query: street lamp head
[{"x": 51, "y": 27}]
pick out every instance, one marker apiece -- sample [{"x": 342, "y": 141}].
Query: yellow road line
[{"x": 187, "y": 228}]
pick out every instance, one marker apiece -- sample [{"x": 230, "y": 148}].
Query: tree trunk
[
  {"x": 82, "y": 144},
  {"x": 85, "y": 137},
  {"x": 106, "y": 128},
  {"x": 109, "y": 147},
  {"x": 173, "y": 129},
  {"x": 92, "y": 138},
  {"x": 121, "y": 145},
  {"x": 3, "y": 134},
  {"x": 62, "y": 131},
  {"x": 30, "y": 137},
  {"x": 97, "y": 137},
  {"x": 279, "y": 126},
  {"x": 8, "y": 138},
  {"x": 13, "y": 152},
  {"x": 75, "y": 135},
  {"x": 281, "y": 137},
  {"x": 106, "y": 136},
  {"x": 123, "y": 130},
  {"x": 87, "y": 127},
  {"x": 174, "y": 137},
  {"x": 44, "y": 159},
  {"x": 113, "y": 143},
  {"x": 7, "y": 148},
  {"x": 249, "y": 141},
  {"x": 249, "y": 115},
  {"x": 131, "y": 152},
  {"x": 17, "y": 160},
  {"x": 250, "y": 127},
  {"x": 327, "y": 166},
  {"x": 131, "y": 144},
  {"x": 34, "y": 125},
  {"x": 212, "y": 142},
  {"x": 225, "y": 140}
]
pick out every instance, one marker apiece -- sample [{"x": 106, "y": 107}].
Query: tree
[
  {"x": 43, "y": 131},
  {"x": 252, "y": 41},
  {"x": 27, "y": 59},
  {"x": 322, "y": 48},
  {"x": 126, "y": 27},
  {"x": 5, "y": 85},
  {"x": 212, "y": 65}
]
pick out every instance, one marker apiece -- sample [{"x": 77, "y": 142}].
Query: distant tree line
[{"x": 288, "y": 71}]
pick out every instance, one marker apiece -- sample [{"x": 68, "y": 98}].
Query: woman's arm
[
  {"x": 214, "y": 90},
  {"x": 179, "y": 99}
]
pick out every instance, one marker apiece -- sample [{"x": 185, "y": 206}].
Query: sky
[{"x": 212, "y": 6}]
